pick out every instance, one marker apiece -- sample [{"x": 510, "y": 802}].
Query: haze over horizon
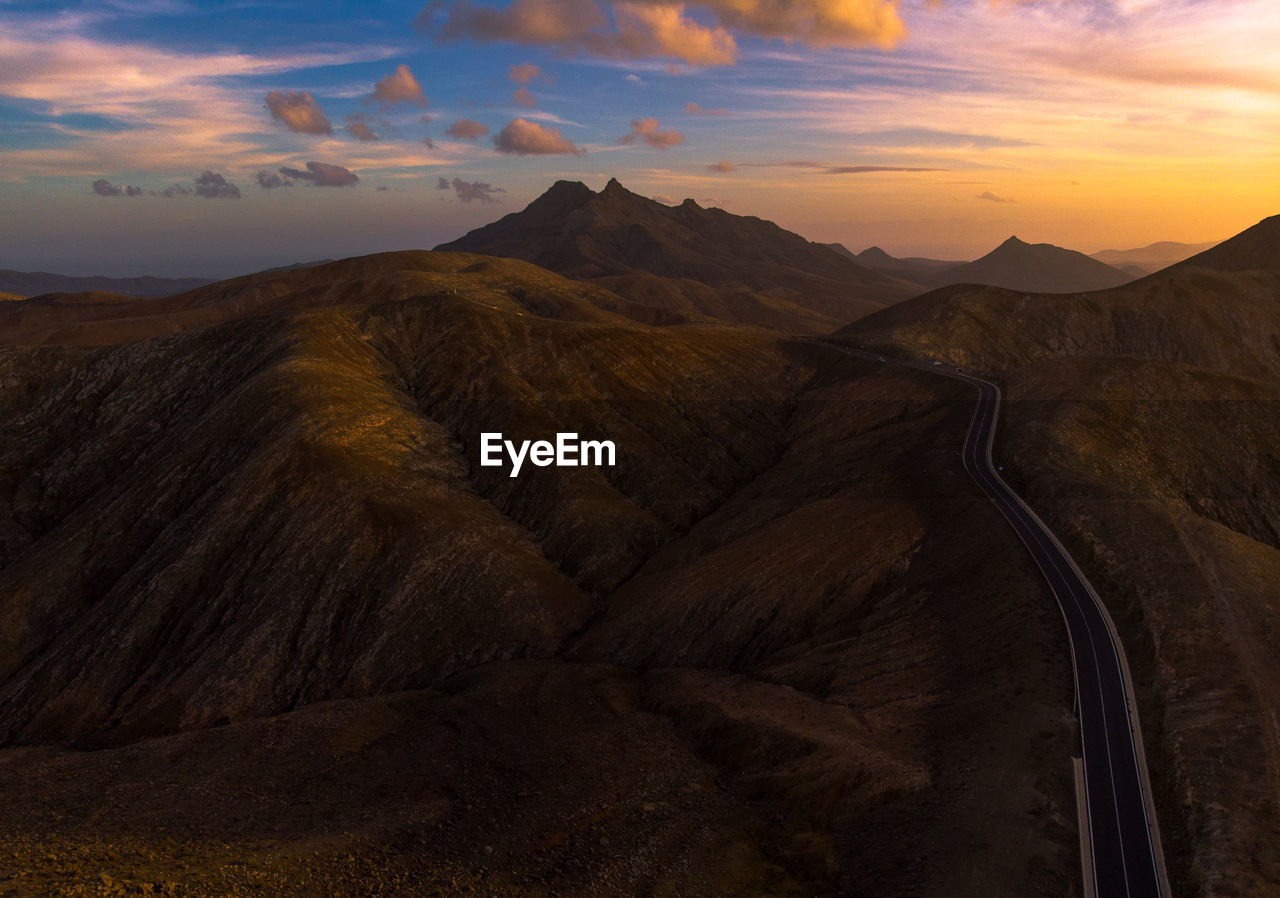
[{"x": 168, "y": 139}]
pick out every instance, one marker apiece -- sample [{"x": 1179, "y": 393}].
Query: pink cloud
[
  {"x": 524, "y": 73},
  {"x": 695, "y": 109},
  {"x": 525, "y": 138},
  {"x": 525, "y": 98},
  {"x": 398, "y": 87},
  {"x": 298, "y": 111},
  {"x": 466, "y": 129},
  {"x": 632, "y": 29},
  {"x": 646, "y": 131}
]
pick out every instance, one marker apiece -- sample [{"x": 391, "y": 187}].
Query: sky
[{"x": 210, "y": 139}]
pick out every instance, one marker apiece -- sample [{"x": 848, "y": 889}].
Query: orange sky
[{"x": 930, "y": 128}]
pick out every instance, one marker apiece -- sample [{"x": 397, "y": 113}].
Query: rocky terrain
[
  {"x": 1142, "y": 423},
  {"x": 686, "y": 263},
  {"x": 268, "y": 626}
]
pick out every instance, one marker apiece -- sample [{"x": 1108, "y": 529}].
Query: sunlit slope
[
  {"x": 98, "y": 319},
  {"x": 274, "y": 510}
]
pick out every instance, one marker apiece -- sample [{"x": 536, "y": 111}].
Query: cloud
[
  {"x": 270, "y": 180},
  {"x": 466, "y": 129},
  {"x": 429, "y": 143},
  {"x": 991, "y": 197},
  {"x": 398, "y": 87},
  {"x": 665, "y": 199},
  {"x": 360, "y": 127},
  {"x": 524, "y": 73},
  {"x": 175, "y": 190},
  {"x": 299, "y": 112},
  {"x": 525, "y": 98},
  {"x": 103, "y": 187},
  {"x": 722, "y": 167},
  {"x": 322, "y": 174},
  {"x": 695, "y": 109},
  {"x": 822, "y": 168},
  {"x": 637, "y": 29},
  {"x": 870, "y": 169},
  {"x": 646, "y": 130},
  {"x": 524, "y": 138},
  {"x": 147, "y": 107},
  {"x": 930, "y": 137},
  {"x": 214, "y": 186},
  {"x": 635, "y": 79},
  {"x": 470, "y": 191}
]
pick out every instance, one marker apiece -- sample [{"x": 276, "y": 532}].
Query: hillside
[
  {"x": 1141, "y": 423},
  {"x": 1257, "y": 249},
  {"x": 686, "y": 261},
  {"x": 279, "y": 579},
  {"x": 34, "y": 283},
  {"x": 1032, "y": 268}
]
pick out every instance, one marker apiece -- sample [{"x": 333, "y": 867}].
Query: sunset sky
[{"x": 211, "y": 139}]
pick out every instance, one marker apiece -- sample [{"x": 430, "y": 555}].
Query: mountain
[
  {"x": 1036, "y": 268},
  {"x": 34, "y": 283},
  {"x": 916, "y": 269},
  {"x": 1142, "y": 423},
  {"x": 686, "y": 261},
  {"x": 875, "y": 257},
  {"x": 1256, "y": 249},
  {"x": 252, "y": 574},
  {"x": 1148, "y": 259}
]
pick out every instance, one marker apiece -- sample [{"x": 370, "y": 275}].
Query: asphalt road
[{"x": 1123, "y": 836}]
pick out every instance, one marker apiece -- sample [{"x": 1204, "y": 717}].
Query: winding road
[{"x": 1121, "y": 847}]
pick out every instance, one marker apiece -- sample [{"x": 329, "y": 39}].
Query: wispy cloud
[{"x": 168, "y": 107}]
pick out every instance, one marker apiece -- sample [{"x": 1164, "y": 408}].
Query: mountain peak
[
  {"x": 687, "y": 260},
  {"x": 874, "y": 254},
  {"x": 1036, "y": 268}
]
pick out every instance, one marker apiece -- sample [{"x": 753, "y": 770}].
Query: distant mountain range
[
  {"x": 1149, "y": 259},
  {"x": 1035, "y": 268},
  {"x": 686, "y": 263},
  {"x": 35, "y": 283}
]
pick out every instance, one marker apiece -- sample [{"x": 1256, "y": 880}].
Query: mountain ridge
[
  {"x": 35, "y": 283},
  {"x": 650, "y": 252}
]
